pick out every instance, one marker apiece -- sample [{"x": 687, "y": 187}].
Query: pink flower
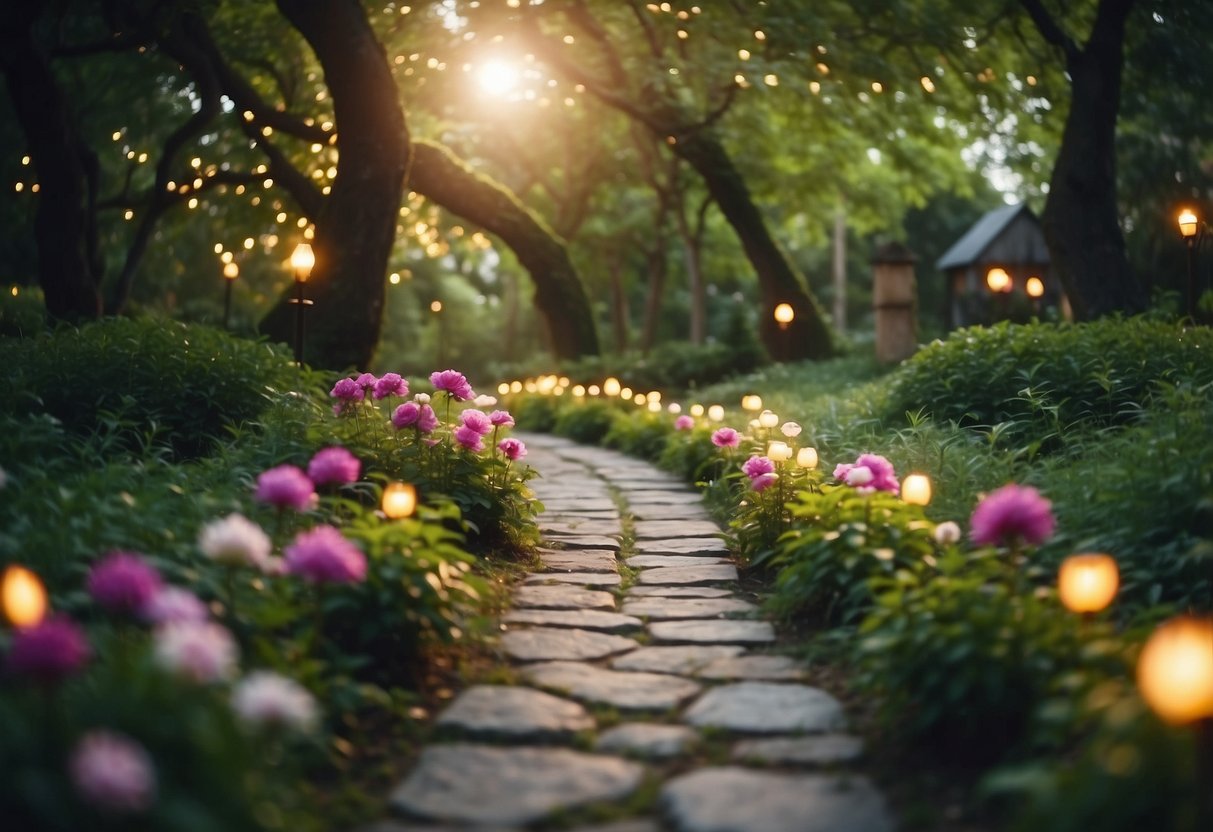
[
  {"x": 234, "y": 541},
  {"x": 265, "y": 698},
  {"x": 286, "y": 486},
  {"x": 501, "y": 419},
  {"x": 453, "y": 383},
  {"x": 726, "y": 438},
  {"x": 756, "y": 466},
  {"x": 1013, "y": 512},
  {"x": 427, "y": 420},
  {"x": 49, "y": 651},
  {"x": 347, "y": 393},
  {"x": 469, "y": 438},
  {"x": 324, "y": 555},
  {"x": 406, "y": 415},
  {"x": 870, "y": 472},
  {"x": 200, "y": 651},
  {"x": 684, "y": 422},
  {"x": 390, "y": 384},
  {"x": 477, "y": 421},
  {"x": 334, "y": 465},
  {"x": 113, "y": 772},
  {"x": 512, "y": 449},
  {"x": 123, "y": 582},
  {"x": 762, "y": 482},
  {"x": 367, "y": 382},
  {"x": 173, "y": 604}
]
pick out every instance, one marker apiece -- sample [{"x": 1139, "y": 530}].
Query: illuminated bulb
[
  {"x": 716, "y": 413},
  {"x": 768, "y": 419},
  {"x": 675, "y": 408},
  {"x": 593, "y": 390},
  {"x": 998, "y": 280},
  {"x": 807, "y": 457},
  {"x": 435, "y": 306},
  {"x": 1087, "y": 583},
  {"x": 1175, "y": 670},
  {"x": 654, "y": 396},
  {"x": 1035, "y": 287},
  {"x": 625, "y": 393},
  {"x": 503, "y": 388},
  {"x": 22, "y": 596},
  {"x": 302, "y": 261},
  {"x": 639, "y": 398},
  {"x": 784, "y": 315},
  {"x": 611, "y": 387},
  {"x": 654, "y": 407},
  {"x": 579, "y": 390},
  {"x": 752, "y": 403},
  {"x": 399, "y": 500},
  {"x": 779, "y": 451},
  {"x": 515, "y": 386},
  {"x": 916, "y": 489},
  {"x": 696, "y": 410},
  {"x": 231, "y": 271}
]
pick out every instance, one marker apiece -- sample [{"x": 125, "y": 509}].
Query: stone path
[{"x": 648, "y": 696}]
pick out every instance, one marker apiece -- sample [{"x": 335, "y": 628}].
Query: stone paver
[
  {"x": 485, "y": 784},
  {"x": 710, "y": 546},
  {"x": 756, "y": 667},
  {"x": 552, "y": 644},
  {"x": 585, "y": 541},
  {"x": 713, "y": 631},
  {"x": 663, "y": 497},
  {"x": 824, "y": 750},
  {"x": 587, "y": 504},
  {"x": 767, "y": 708},
  {"x": 585, "y": 560},
  {"x": 638, "y": 825},
  {"x": 680, "y": 660},
  {"x": 516, "y": 713},
  {"x": 646, "y": 739},
  {"x": 619, "y": 689},
  {"x": 658, "y": 529},
  {"x": 650, "y": 561},
  {"x": 607, "y": 622},
  {"x": 573, "y": 526},
  {"x": 678, "y": 592},
  {"x": 733, "y": 799},
  {"x": 680, "y": 575},
  {"x": 671, "y": 608},
  {"x": 576, "y": 578},
  {"x": 563, "y": 598}
]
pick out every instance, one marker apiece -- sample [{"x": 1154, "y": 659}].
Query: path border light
[{"x": 303, "y": 260}]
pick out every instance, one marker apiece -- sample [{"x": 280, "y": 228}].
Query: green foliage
[
  {"x": 839, "y": 541},
  {"x": 537, "y": 413},
  {"x": 587, "y": 421},
  {"x": 21, "y": 314},
  {"x": 642, "y": 434},
  {"x": 692, "y": 456}
]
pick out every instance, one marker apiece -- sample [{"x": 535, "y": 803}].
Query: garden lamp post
[
  {"x": 399, "y": 500},
  {"x": 784, "y": 315},
  {"x": 1000, "y": 283},
  {"x": 1192, "y": 229},
  {"x": 916, "y": 489},
  {"x": 302, "y": 261},
  {"x": 230, "y": 272},
  {"x": 1035, "y": 289},
  {"x": 436, "y": 308},
  {"x": 22, "y": 597}
]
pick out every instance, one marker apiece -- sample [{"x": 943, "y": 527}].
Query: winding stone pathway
[{"x": 631, "y": 681}]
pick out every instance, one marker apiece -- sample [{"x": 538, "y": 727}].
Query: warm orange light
[
  {"x": 435, "y": 306},
  {"x": 1035, "y": 287},
  {"x": 611, "y": 387},
  {"x": 807, "y": 458},
  {"x": 716, "y": 413},
  {"x": 1087, "y": 583},
  {"x": 22, "y": 596},
  {"x": 302, "y": 261},
  {"x": 1175, "y": 670},
  {"x": 231, "y": 271},
  {"x": 916, "y": 489},
  {"x": 998, "y": 280},
  {"x": 399, "y": 500},
  {"x": 1187, "y": 223},
  {"x": 784, "y": 315},
  {"x": 751, "y": 403}
]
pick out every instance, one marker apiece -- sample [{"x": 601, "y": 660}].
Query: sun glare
[{"x": 497, "y": 77}]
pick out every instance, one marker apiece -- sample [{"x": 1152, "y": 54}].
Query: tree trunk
[
  {"x": 619, "y": 306},
  {"x": 560, "y": 297},
  {"x": 67, "y": 270},
  {"x": 656, "y": 267},
  {"x": 807, "y": 336},
  {"x": 357, "y": 226},
  {"x": 692, "y": 244},
  {"x": 1080, "y": 219}
]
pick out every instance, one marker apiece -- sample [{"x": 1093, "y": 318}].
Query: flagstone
[
  {"x": 643, "y": 739},
  {"x": 824, "y": 750},
  {"x": 583, "y": 541},
  {"x": 710, "y": 546},
  {"x": 711, "y": 573},
  {"x": 619, "y": 689},
  {"x": 580, "y": 527},
  {"x": 767, "y": 708},
  {"x": 649, "y": 561},
  {"x": 515, "y": 713},
  {"x": 607, "y": 622},
  {"x": 665, "y": 496},
  {"x": 661, "y": 529},
  {"x": 555, "y": 643},
  {"x": 752, "y": 667},
  {"x": 576, "y": 578},
  {"x": 713, "y": 631},
  {"x": 582, "y": 560},
  {"x": 673, "y": 608},
  {"x": 558, "y": 597},
  {"x": 678, "y": 592}
]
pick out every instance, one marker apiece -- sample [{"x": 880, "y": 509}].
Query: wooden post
[{"x": 895, "y": 299}]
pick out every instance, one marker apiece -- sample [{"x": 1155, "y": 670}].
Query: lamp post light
[
  {"x": 436, "y": 308},
  {"x": 916, "y": 489},
  {"x": 1192, "y": 229},
  {"x": 230, "y": 272},
  {"x": 1035, "y": 289},
  {"x": 784, "y": 315},
  {"x": 22, "y": 597},
  {"x": 1087, "y": 583},
  {"x": 399, "y": 500},
  {"x": 302, "y": 261},
  {"x": 1000, "y": 283}
]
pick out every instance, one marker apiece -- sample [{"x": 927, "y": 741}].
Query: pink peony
[
  {"x": 334, "y": 465},
  {"x": 113, "y": 772},
  {"x": 324, "y": 555},
  {"x": 173, "y": 604},
  {"x": 390, "y": 384},
  {"x": 1012, "y": 513},
  {"x": 200, "y": 651},
  {"x": 268, "y": 699},
  {"x": 49, "y": 651},
  {"x": 469, "y": 438},
  {"x": 501, "y": 419},
  {"x": 347, "y": 393},
  {"x": 868, "y": 473},
  {"x": 756, "y": 466},
  {"x": 367, "y": 382},
  {"x": 453, "y": 383},
  {"x": 427, "y": 420},
  {"x": 477, "y": 421},
  {"x": 406, "y": 415},
  {"x": 726, "y": 438},
  {"x": 234, "y": 541},
  {"x": 512, "y": 449},
  {"x": 762, "y": 482},
  {"x": 684, "y": 422},
  {"x": 123, "y": 582},
  {"x": 286, "y": 486}
]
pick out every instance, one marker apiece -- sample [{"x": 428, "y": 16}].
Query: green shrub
[
  {"x": 692, "y": 456},
  {"x": 536, "y": 413},
  {"x": 22, "y": 314},
  {"x": 640, "y": 434},
  {"x": 585, "y": 421}
]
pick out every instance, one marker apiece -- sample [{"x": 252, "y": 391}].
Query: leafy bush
[
  {"x": 22, "y": 314},
  {"x": 537, "y": 413},
  {"x": 1036, "y": 383},
  {"x": 585, "y": 421},
  {"x": 145, "y": 382},
  {"x": 642, "y": 434}
]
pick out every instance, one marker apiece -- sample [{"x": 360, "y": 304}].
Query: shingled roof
[{"x": 973, "y": 245}]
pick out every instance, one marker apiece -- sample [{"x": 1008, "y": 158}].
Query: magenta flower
[
  {"x": 406, "y": 415},
  {"x": 390, "y": 384},
  {"x": 512, "y": 449},
  {"x": 427, "y": 419},
  {"x": 123, "y": 582},
  {"x": 113, "y": 772},
  {"x": 324, "y": 555},
  {"x": 285, "y": 486},
  {"x": 868, "y": 473},
  {"x": 174, "y": 604},
  {"x": 477, "y": 421},
  {"x": 347, "y": 393},
  {"x": 684, "y": 422},
  {"x": 1010, "y": 514},
  {"x": 501, "y": 419},
  {"x": 762, "y": 482},
  {"x": 469, "y": 438},
  {"x": 367, "y": 382},
  {"x": 335, "y": 465},
  {"x": 726, "y": 438},
  {"x": 49, "y": 651},
  {"x": 453, "y": 383},
  {"x": 756, "y": 466}
]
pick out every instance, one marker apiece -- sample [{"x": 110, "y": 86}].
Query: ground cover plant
[
  {"x": 1040, "y": 441},
  {"x": 232, "y": 616}
]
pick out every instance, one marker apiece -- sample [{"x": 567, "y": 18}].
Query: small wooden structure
[
  {"x": 895, "y": 299},
  {"x": 1007, "y": 239}
]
